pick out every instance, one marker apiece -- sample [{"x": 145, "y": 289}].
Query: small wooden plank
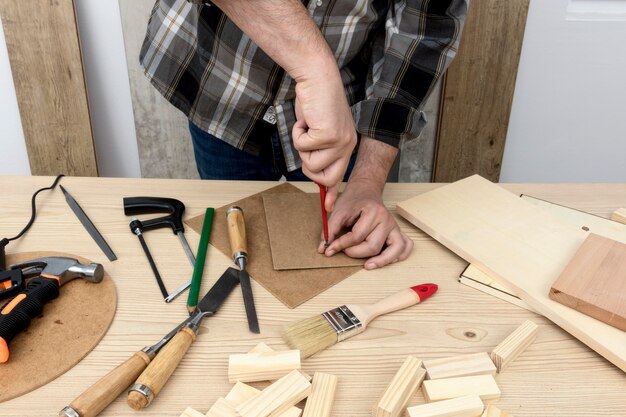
[
  {"x": 462, "y": 365},
  {"x": 190, "y": 412},
  {"x": 241, "y": 393},
  {"x": 267, "y": 366},
  {"x": 513, "y": 346},
  {"x": 278, "y": 397},
  {"x": 221, "y": 408},
  {"x": 594, "y": 282},
  {"x": 261, "y": 348},
  {"x": 468, "y": 406},
  {"x": 477, "y": 279},
  {"x": 484, "y": 386},
  {"x": 518, "y": 244},
  {"x": 619, "y": 215},
  {"x": 320, "y": 402},
  {"x": 493, "y": 411},
  {"x": 404, "y": 383}
]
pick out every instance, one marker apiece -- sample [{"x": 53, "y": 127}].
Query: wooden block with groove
[
  {"x": 468, "y": 406},
  {"x": 404, "y": 383},
  {"x": 493, "y": 411},
  {"x": 190, "y": 412},
  {"x": 266, "y": 366},
  {"x": 320, "y": 402},
  {"x": 278, "y": 397},
  {"x": 241, "y": 393},
  {"x": 515, "y": 343},
  {"x": 462, "y": 365},
  {"x": 443, "y": 389},
  {"x": 619, "y": 215}
]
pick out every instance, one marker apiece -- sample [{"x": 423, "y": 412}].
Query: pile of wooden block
[
  {"x": 454, "y": 387},
  {"x": 290, "y": 386}
]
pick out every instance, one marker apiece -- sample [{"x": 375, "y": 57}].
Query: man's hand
[{"x": 374, "y": 232}]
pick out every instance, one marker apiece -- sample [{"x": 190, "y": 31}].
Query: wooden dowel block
[
  {"x": 462, "y": 365},
  {"x": 278, "y": 397},
  {"x": 241, "y": 393},
  {"x": 190, "y": 412},
  {"x": 511, "y": 347},
  {"x": 443, "y": 389},
  {"x": 493, "y": 411},
  {"x": 267, "y": 366},
  {"x": 619, "y": 215},
  {"x": 398, "y": 393},
  {"x": 468, "y": 406},
  {"x": 222, "y": 408},
  {"x": 261, "y": 348},
  {"x": 320, "y": 402}
]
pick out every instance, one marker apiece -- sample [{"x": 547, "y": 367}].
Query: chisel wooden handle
[
  {"x": 97, "y": 397},
  {"x": 160, "y": 369},
  {"x": 237, "y": 232}
]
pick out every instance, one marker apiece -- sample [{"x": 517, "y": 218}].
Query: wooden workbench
[{"x": 556, "y": 376}]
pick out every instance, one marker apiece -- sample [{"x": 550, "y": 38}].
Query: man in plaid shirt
[{"x": 285, "y": 87}]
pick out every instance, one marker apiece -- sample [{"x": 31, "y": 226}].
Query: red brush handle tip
[{"x": 425, "y": 290}]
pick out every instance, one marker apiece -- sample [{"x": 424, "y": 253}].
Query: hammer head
[{"x": 65, "y": 269}]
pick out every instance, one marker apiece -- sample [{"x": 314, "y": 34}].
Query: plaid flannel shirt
[{"x": 390, "y": 55}]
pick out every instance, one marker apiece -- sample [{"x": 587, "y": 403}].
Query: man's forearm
[
  {"x": 373, "y": 162},
  {"x": 285, "y": 31}
]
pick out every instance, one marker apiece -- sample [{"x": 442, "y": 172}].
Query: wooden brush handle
[
  {"x": 236, "y": 231},
  {"x": 402, "y": 299},
  {"x": 98, "y": 396},
  {"x": 163, "y": 365}
]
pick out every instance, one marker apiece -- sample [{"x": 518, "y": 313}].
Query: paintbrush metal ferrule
[{"x": 345, "y": 323}]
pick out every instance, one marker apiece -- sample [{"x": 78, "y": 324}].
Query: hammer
[{"x": 51, "y": 273}]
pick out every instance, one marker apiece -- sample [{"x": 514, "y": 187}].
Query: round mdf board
[{"x": 67, "y": 330}]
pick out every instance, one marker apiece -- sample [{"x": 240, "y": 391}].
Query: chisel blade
[
  {"x": 248, "y": 301},
  {"x": 88, "y": 225}
]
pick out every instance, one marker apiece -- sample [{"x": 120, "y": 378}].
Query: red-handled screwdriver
[{"x": 324, "y": 213}]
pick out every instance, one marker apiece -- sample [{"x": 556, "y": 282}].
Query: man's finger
[
  {"x": 331, "y": 196},
  {"x": 398, "y": 248}
]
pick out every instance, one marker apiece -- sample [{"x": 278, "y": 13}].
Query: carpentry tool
[
  {"x": 196, "y": 278},
  {"x": 174, "y": 220},
  {"x": 98, "y": 396},
  {"x": 152, "y": 380},
  {"x": 323, "y": 190},
  {"x": 52, "y": 273},
  {"x": 320, "y": 332},
  {"x": 238, "y": 246},
  {"x": 88, "y": 225}
]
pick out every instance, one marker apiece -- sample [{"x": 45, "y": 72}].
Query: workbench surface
[{"x": 556, "y": 376}]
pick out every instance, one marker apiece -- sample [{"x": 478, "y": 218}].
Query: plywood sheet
[
  {"x": 520, "y": 244},
  {"x": 292, "y": 287},
  {"x": 42, "y": 40},
  {"x": 294, "y": 225},
  {"x": 69, "y": 328},
  {"x": 594, "y": 282}
]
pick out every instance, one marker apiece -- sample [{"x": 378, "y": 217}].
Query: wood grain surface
[
  {"x": 42, "y": 40},
  {"x": 478, "y": 91},
  {"x": 557, "y": 376}
]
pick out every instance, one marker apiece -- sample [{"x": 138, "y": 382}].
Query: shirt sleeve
[{"x": 409, "y": 54}]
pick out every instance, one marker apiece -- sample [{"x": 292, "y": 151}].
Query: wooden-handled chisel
[{"x": 239, "y": 250}]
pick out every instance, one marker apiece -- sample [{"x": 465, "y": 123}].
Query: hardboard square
[
  {"x": 294, "y": 225},
  {"x": 291, "y": 287},
  {"x": 594, "y": 282}
]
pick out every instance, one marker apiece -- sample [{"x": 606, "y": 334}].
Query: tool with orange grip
[{"x": 52, "y": 273}]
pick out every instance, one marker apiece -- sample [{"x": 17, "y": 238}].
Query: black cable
[{"x": 34, "y": 209}]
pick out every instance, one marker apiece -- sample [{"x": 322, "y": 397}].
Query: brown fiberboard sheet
[
  {"x": 292, "y": 287},
  {"x": 294, "y": 225},
  {"x": 594, "y": 282},
  {"x": 519, "y": 244},
  {"x": 69, "y": 328}
]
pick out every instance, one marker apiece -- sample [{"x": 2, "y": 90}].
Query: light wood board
[
  {"x": 594, "y": 282},
  {"x": 294, "y": 226},
  {"x": 518, "y": 243},
  {"x": 69, "y": 327},
  {"x": 42, "y": 40}
]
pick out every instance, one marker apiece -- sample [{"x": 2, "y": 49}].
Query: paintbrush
[{"x": 317, "y": 333}]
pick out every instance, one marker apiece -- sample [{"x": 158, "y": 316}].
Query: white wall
[{"x": 568, "y": 121}]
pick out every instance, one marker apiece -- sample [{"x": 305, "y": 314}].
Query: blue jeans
[{"x": 218, "y": 160}]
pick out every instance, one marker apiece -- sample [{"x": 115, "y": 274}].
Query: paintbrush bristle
[{"x": 310, "y": 335}]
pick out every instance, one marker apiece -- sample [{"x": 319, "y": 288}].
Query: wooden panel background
[
  {"x": 43, "y": 45},
  {"x": 478, "y": 91}
]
